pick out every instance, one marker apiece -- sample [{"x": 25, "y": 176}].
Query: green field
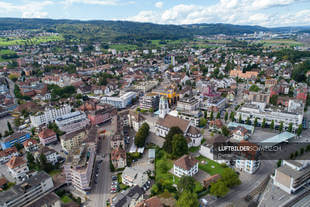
[
  {"x": 4, "y": 52},
  {"x": 123, "y": 47},
  {"x": 66, "y": 199},
  {"x": 158, "y": 43},
  {"x": 211, "y": 167},
  {"x": 55, "y": 172},
  {"x": 280, "y": 42},
  {"x": 30, "y": 41}
]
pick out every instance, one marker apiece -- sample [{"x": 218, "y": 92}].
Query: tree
[
  {"x": 211, "y": 115},
  {"x": 188, "y": 199},
  {"x": 281, "y": 126},
  {"x": 264, "y": 123},
  {"x": 31, "y": 161},
  {"x": 302, "y": 150},
  {"x": 141, "y": 135},
  {"x": 279, "y": 163},
  {"x": 219, "y": 189},
  {"x": 179, "y": 145},
  {"x": 33, "y": 131},
  {"x": 168, "y": 139},
  {"x": 299, "y": 130},
  {"x": 240, "y": 118},
  {"x": 248, "y": 121},
  {"x": 9, "y": 127},
  {"x": 232, "y": 116},
  {"x": 218, "y": 115},
  {"x": 254, "y": 88},
  {"x": 230, "y": 177},
  {"x": 202, "y": 122},
  {"x": 274, "y": 100},
  {"x": 290, "y": 127},
  {"x": 186, "y": 183},
  {"x": 18, "y": 146},
  {"x": 44, "y": 165},
  {"x": 17, "y": 121},
  {"x": 225, "y": 131},
  {"x": 255, "y": 122},
  {"x": 226, "y": 116},
  {"x": 272, "y": 124}
]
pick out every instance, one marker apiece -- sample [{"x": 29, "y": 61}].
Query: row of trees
[{"x": 141, "y": 135}]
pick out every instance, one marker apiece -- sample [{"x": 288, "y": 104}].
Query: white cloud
[
  {"x": 159, "y": 4},
  {"x": 31, "y": 9},
  {"x": 252, "y": 12},
  {"x": 93, "y": 2}
]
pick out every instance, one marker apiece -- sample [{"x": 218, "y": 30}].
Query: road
[
  {"x": 249, "y": 182},
  {"x": 101, "y": 190},
  {"x": 11, "y": 88}
]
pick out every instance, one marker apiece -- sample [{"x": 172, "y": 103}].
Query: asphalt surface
[{"x": 101, "y": 191}]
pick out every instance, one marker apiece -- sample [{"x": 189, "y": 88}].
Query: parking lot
[{"x": 262, "y": 134}]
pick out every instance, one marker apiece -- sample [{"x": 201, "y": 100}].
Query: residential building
[
  {"x": 78, "y": 167},
  {"x": 128, "y": 198},
  {"x": 31, "y": 145},
  {"x": 185, "y": 166},
  {"x": 118, "y": 158},
  {"x": 49, "y": 115},
  {"x": 121, "y": 101},
  {"x": 146, "y": 86},
  {"x": 71, "y": 140},
  {"x": 47, "y": 136},
  {"x": 249, "y": 166},
  {"x": 7, "y": 154},
  {"x": 24, "y": 193},
  {"x": 17, "y": 137},
  {"x": 188, "y": 109},
  {"x": 50, "y": 154},
  {"x": 132, "y": 176},
  {"x": 217, "y": 102},
  {"x": 247, "y": 75},
  {"x": 149, "y": 101},
  {"x": 240, "y": 133},
  {"x": 135, "y": 120},
  {"x": 17, "y": 167},
  {"x": 103, "y": 114},
  {"x": 212, "y": 179},
  {"x": 72, "y": 122},
  {"x": 292, "y": 175}
]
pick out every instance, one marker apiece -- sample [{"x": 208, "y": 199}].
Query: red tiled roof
[
  {"x": 15, "y": 162},
  {"x": 46, "y": 133},
  {"x": 186, "y": 162}
]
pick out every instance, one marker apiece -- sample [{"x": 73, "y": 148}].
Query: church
[{"x": 166, "y": 121}]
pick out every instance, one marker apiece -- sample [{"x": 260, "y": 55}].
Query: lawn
[
  {"x": 66, "y": 199},
  {"x": 30, "y": 41},
  {"x": 207, "y": 167},
  {"x": 54, "y": 172}
]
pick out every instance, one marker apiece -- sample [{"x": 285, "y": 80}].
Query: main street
[{"x": 101, "y": 191}]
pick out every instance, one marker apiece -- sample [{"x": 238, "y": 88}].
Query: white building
[
  {"x": 163, "y": 107},
  {"x": 292, "y": 115},
  {"x": 121, "y": 101},
  {"x": 292, "y": 175},
  {"x": 249, "y": 166},
  {"x": 27, "y": 191},
  {"x": 49, "y": 115},
  {"x": 188, "y": 109},
  {"x": 73, "y": 121},
  {"x": 134, "y": 176},
  {"x": 18, "y": 167},
  {"x": 185, "y": 166}
]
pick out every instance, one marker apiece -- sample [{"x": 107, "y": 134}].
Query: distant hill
[{"x": 125, "y": 31}]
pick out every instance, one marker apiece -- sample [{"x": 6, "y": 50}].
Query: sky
[{"x": 268, "y": 13}]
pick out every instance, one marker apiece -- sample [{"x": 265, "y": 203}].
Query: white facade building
[
  {"x": 49, "y": 115},
  {"x": 73, "y": 121},
  {"x": 249, "y": 166},
  {"x": 185, "y": 166},
  {"x": 259, "y": 111},
  {"x": 121, "y": 101}
]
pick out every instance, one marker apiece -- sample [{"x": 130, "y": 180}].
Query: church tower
[{"x": 163, "y": 107}]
